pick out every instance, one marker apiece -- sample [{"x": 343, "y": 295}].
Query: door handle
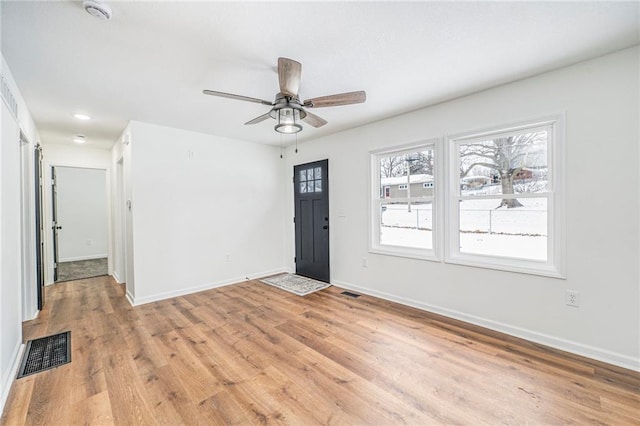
[
  {"x": 57, "y": 227},
  {"x": 325, "y": 227}
]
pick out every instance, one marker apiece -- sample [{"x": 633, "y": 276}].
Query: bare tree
[
  {"x": 422, "y": 163},
  {"x": 505, "y": 156},
  {"x": 392, "y": 166}
]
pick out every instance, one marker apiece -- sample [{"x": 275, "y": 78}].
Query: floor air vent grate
[
  {"x": 45, "y": 353},
  {"x": 348, "y": 293}
]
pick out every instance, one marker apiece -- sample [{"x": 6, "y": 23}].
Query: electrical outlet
[
  {"x": 89, "y": 242},
  {"x": 227, "y": 258},
  {"x": 573, "y": 298},
  {"x": 365, "y": 263}
]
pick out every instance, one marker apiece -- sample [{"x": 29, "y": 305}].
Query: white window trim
[
  {"x": 375, "y": 201},
  {"x": 556, "y": 240}
]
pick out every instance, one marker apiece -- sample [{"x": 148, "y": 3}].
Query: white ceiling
[{"x": 152, "y": 60}]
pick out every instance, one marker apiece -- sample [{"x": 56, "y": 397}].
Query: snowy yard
[{"x": 519, "y": 232}]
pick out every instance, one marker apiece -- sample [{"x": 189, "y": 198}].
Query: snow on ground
[
  {"x": 517, "y": 246},
  {"x": 406, "y": 237},
  {"x": 421, "y": 216},
  {"x": 518, "y": 232}
]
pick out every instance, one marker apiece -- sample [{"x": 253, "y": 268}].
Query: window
[
  {"x": 504, "y": 207},
  {"x": 311, "y": 180},
  {"x": 402, "y": 208}
]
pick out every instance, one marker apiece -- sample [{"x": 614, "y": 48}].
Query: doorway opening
[{"x": 79, "y": 223}]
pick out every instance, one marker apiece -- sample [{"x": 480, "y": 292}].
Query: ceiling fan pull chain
[{"x": 296, "y": 135}]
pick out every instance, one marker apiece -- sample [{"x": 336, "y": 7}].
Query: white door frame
[
  {"x": 47, "y": 219},
  {"x": 27, "y": 219}
]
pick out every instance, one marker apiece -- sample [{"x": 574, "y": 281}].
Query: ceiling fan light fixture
[{"x": 288, "y": 120}]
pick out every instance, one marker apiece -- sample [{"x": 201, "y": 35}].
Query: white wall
[
  {"x": 206, "y": 211},
  {"x": 10, "y": 270},
  {"x": 71, "y": 156},
  {"x": 13, "y": 283},
  {"x": 82, "y": 213},
  {"x": 600, "y": 98}
]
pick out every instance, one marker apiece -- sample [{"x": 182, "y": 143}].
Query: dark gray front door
[{"x": 311, "y": 197}]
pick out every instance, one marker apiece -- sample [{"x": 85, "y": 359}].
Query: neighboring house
[{"x": 398, "y": 186}]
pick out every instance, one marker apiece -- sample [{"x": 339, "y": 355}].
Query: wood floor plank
[
  {"x": 19, "y": 400},
  {"x": 250, "y": 353},
  {"x": 95, "y": 410},
  {"x": 190, "y": 370},
  {"x": 130, "y": 404},
  {"x": 226, "y": 408}
]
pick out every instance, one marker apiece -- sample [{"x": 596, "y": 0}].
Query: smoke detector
[
  {"x": 97, "y": 9},
  {"x": 79, "y": 139}
]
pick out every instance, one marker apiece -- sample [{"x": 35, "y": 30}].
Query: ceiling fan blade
[
  {"x": 236, "y": 97},
  {"x": 336, "y": 100},
  {"x": 289, "y": 72},
  {"x": 258, "y": 119},
  {"x": 313, "y": 120}
]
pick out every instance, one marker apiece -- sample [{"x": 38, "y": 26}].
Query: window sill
[
  {"x": 406, "y": 253},
  {"x": 507, "y": 265}
]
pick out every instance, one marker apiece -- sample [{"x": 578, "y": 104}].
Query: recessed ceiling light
[
  {"x": 81, "y": 116},
  {"x": 79, "y": 139}
]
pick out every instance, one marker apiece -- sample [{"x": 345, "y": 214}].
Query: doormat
[
  {"x": 295, "y": 284},
  {"x": 46, "y": 353}
]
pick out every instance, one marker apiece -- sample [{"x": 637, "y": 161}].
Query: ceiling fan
[{"x": 287, "y": 108}]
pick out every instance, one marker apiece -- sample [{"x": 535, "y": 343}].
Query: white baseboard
[
  {"x": 116, "y": 277},
  {"x": 130, "y": 298},
  {"x": 74, "y": 259},
  {"x": 137, "y": 301},
  {"x": 587, "y": 351},
  {"x": 31, "y": 315},
  {"x": 8, "y": 378}
]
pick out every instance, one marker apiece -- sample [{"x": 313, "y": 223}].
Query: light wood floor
[{"x": 252, "y": 354}]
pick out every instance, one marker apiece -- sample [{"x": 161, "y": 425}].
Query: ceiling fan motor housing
[{"x": 283, "y": 101}]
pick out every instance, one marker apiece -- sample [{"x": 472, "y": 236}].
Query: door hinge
[
  {"x": 293, "y": 179},
  {"x": 295, "y": 260},
  {"x": 294, "y": 219}
]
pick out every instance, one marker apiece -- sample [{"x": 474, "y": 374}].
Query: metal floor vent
[
  {"x": 45, "y": 353},
  {"x": 348, "y": 293}
]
